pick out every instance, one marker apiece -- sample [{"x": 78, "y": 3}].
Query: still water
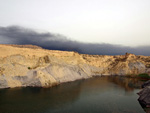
[{"x": 95, "y": 95}]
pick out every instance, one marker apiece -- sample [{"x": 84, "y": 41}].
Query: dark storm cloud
[{"x": 20, "y": 35}]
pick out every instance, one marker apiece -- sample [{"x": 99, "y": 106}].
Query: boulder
[
  {"x": 144, "y": 94},
  {"x": 147, "y": 83}
]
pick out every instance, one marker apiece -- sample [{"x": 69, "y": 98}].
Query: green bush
[
  {"x": 29, "y": 67},
  {"x": 144, "y": 75}
]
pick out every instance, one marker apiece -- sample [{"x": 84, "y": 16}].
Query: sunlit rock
[{"x": 28, "y": 65}]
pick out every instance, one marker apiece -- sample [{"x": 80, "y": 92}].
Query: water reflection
[
  {"x": 96, "y": 95},
  {"x": 129, "y": 84},
  {"x": 37, "y": 99}
]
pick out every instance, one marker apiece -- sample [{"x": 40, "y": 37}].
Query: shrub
[
  {"x": 29, "y": 67},
  {"x": 144, "y": 75}
]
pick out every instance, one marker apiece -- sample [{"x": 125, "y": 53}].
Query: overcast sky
[
  {"x": 121, "y": 23},
  {"x": 125, "y": 22}
]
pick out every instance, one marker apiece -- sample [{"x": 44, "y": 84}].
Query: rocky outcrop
[
  {"x": 144, "y": 94},
  {"x": 22, "y": 66}
]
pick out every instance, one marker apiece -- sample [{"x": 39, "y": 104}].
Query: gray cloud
[{"x": 20, "y": 35}]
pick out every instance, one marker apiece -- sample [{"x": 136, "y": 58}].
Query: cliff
[{"x": 29, "y": 65}]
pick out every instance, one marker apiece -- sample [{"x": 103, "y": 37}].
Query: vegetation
[
  {"x": 29, "y": 67},
  {"x": 144, "y": 75}
]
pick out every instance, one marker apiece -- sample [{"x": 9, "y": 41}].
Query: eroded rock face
[{"x": 22, "y": 66}]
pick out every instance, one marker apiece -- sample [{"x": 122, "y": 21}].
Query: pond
[{"x": 94, "y": 95}]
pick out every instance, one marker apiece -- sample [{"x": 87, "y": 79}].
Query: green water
[{"x": 95, "y": 95}]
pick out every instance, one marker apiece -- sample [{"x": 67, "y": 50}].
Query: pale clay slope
[{"x": 44, "y": 68}]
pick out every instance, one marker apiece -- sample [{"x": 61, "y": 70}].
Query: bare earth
[{"x": 28, "y": 65}]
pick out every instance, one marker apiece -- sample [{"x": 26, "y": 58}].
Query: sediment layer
[{"x": 29, "y": 65}]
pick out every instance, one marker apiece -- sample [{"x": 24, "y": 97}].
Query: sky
[{"x": 122, "y": 25}]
